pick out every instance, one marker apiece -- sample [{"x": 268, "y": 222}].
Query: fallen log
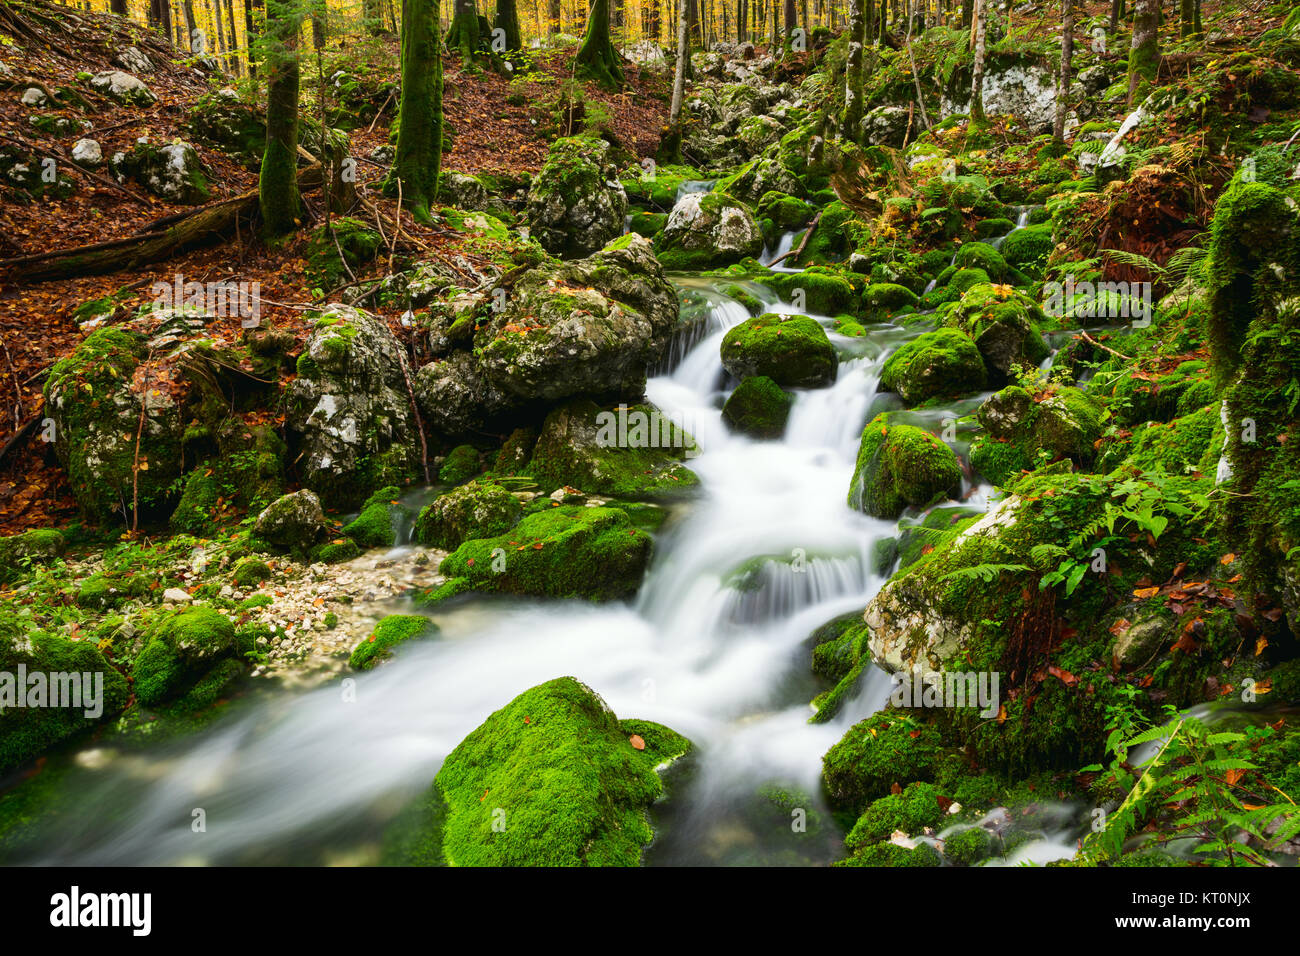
[
  {"x": 161, "y": 239},
  {"x": 796, "y": 253}
]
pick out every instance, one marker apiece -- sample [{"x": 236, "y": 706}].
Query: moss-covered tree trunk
[
  {"x": 418, "y": 158},
  {"x": 1144, "y": 53},
  {"x": 597, "y": 59},
  {"x": 462, "y": 35},
  {"x": 278, "y": 183},
  {"x": 1187, "y": 23},
  {"x": 853, "y": 70},
  {"x": 507, "y": 20},
  {"x": 1063, "y": 81},
  {"x": 980, "y": 28}
]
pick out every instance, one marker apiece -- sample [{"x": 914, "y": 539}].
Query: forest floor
[{"x": 37, "y": 326}]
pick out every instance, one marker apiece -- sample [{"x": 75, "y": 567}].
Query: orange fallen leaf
[{"x": 637, "y": 742}]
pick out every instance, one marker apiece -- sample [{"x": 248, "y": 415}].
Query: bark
[
  {"x": 853, "y": 71},
  {"x": 236, "y": 59},
  {"x": 463, "y": 33},
  {"x": 673, "y": 139},
  {"x": 250, "y": 32},
  {"x": 1144, "y": 53},
  {"x": 597, "y": 59},
  {"x": 977, "y": 74},
  {"x": 418, "y": 159},
  {"x": 553, "y": 17},
  {"x": 119, "y": 7},
  {"x": 1187, "y": 18},
  {"x": 278, "y": 183},
  {"x": 1063, "y": 83},
  {"x": 507, "y": 19}
]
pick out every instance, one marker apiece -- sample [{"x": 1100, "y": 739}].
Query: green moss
[
  {"x": 26, "y": 732},
  {"x": 981, "y": 255},
  {"x": 565, "y": 552},
  {"x": 758, "y": 407},
  {"x": 178, "y": 650},
  {"x": 1021, "y": 427},
  {"x": 461, "y": 464},
  {"x": 335, "y": 552},
  {"x": 876, "y": 753},
  {"x": 970, "y": 846},
  {"x": 473, "y": 510},
  {"x": 890, "y": 854},
  {"x": 375, "y": 526},
  {"x": 20, "y": 552},
  {"x": 883, "y": 299},
  {"x": 943, "y": 362},
  {"x": 551, "y": 779},
  {"x": 918, "y": 806},
  {"x": 388, "y": 633},
  {"x": 899, "y": 466},
  {"x": 347, "y": 243},
  {"x": 792, "y": 351},
  {"x": 250, "y": 572}
]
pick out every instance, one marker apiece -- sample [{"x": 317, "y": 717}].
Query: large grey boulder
[{"x": 349, "y": 408}]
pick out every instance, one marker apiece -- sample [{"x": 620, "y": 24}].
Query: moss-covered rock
[
  {"x": 875, "y": 754},
  {"x": 901, "y": 465},
  {"x": 916, "y": 807},
  {"x": 250, "y": 572},
  {"x": 377, "y": 524},
  {"x": 291, "y": 523},
  {"x": 708, "y": 230},
  {"x": 758, "y": 407},
  {"x": 388, "y": 633},
  {"x": 179, "y": 649},
  {"x": 551, "y": 779},
  {"x": 883, "y": 299},
  {"x": 76, "y": 688},
  {"x": 793, "y": 351},
  {"x": 626, "y": 451},
  {"x": 565, "y": 552},
  {"x": 473, "y": 510},
  {"x": 461, "y": 464},
  {"x": 944, "y": 362},
  {"x": 1005, "y": 325},
  {"x": 1028, "y": 249},
  {"x": 19, "y": 552},
  {"x": 576, "y": 203},
  {"x": 1018, "y": 426}
]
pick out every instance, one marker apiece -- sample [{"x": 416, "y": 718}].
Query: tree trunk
[
  {"x": 236, "y": 59},
  {"x": 463, "y": 33},
  {"x": 1144, "y": 53},
  {"x": 119, "y": 7},
  {"x": 372, "y": 17},
  {"x": 418, "y": 158},
  {"x": 977, "y": 75},
  {"x": 789, "y": 15},
  {"x": 1063, "y": 83},
  {"x": 742, "y": 21},
  {"x": 553, "y": 17},
  {"x": 507, "y": 20},
  {"x": 673, "y": 138},
  {"x": 1116, "y": 11},
  {"x": 597, "y": 59},
  {"x": 250, "y": 32},
  {"x": 278, "y": 182},
  {"x": 853, "y": 71},
  {"x": 1187, "y": 18}
]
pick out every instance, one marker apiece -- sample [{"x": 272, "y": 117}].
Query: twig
[
  {"x": 798, "y": 252},
  {"x": 1090, "y": 340}
]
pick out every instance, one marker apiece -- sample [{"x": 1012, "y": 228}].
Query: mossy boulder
[
  {"x": 57, "y": 706},
  {"x": 793, "y": 351},
  {"x": 820, "y": 290},
  {"x": 576, "y": 203},
  {"x": 758, "y": 407},
  {"x": 586, "y": 327},
  {"x": 876, "y": 753},
  {"x": 250, "y": 572},
  {"x": 179, "y": 649},
  {"x": 706, "y": 231},
  {"x": 551, "y": 779},
  {"x": 1005, "y": 326},
  {"x": 472, "y": 510},
  {"x": 567, "y": 551},
  {"x": 19, "y": 552},
  {"x": 917, "y": 807},
  {"x": 944, "y": 362},
  {"x": 172, "y": 171},
  {"x": 901, "y": 465},
  {"x": 1028, "y": 249},
  {"x": 461, "y": 464},
  {"x": 291, "y": 523},
  {"x": 625, "y": 451},
  {"x": 95, "y": 404},
  {"x": 377, "y": 524},
  {"x": 1018, "y": 425},
  {"x": 388, "y": 633},
  {"x": 982, "y": 256},
  {"x": 883, "y": 299}
]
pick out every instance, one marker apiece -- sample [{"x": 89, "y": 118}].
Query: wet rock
[
  {"x": 708, "y": 230},
  {"x": 576, "y": 204},
  {"x": 292, "y": 522}
]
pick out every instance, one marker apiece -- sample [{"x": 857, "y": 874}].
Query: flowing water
[{"x": 715, "y": 646}]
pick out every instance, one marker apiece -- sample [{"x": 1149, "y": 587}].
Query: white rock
[
  {"x": 87, "y": 152},
  {"x": 176, "y": 596},
  {"x": 33, "y": 96}
]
